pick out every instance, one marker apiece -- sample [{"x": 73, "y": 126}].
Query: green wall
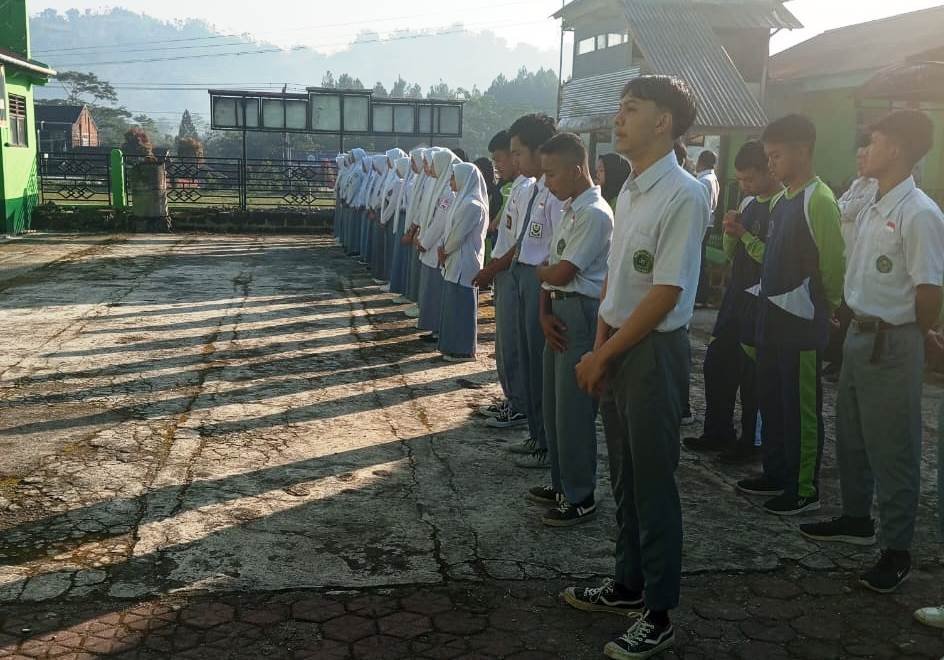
[{"x": 19, "y": 181}]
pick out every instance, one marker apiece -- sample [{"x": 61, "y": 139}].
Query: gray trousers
[
  {"x": 506, "y": 341},
  {"x": 878, "y": 429},
  {"x": 570, "y": 413},
  {"x": 530, "y": 348},
  {"x": 641, "y": 414}
]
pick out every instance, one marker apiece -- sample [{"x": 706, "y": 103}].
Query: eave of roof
[{"x": 10, "y": 58}]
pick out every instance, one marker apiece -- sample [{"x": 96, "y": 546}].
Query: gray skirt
[
  {"x": 416, "y": 269},
  {"x": 458, "y": 334},
  {"x": 431, "y": 288}
]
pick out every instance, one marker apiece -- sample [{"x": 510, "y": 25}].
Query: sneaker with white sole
[
  {"x": 609, "y": 597},
  {"x": 791, "y": 505},
  {"x": 566, "y": 514},
  {"x": 493, "y": 411},
  {"x": 536, "y": 461},
  {"x": 644, "y": 639},
  {"x": 525, "y": 448},
  {"x": 544, "y": 495},
  {"x": 893, "y": 568},
  {"x": 458, "y": 358},
  {"x": 413, "y": 311},
  {"x": 509, "y": 419},
  {"x": 931, "y": 616}
]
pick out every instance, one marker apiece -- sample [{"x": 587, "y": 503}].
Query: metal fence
[
  {"x": 75, "y": 179},
  {"x": 246, "y": 185}
]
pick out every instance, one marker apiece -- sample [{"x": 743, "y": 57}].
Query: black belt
[
  {"x": 564, "y": 295},
  {"x": 878, "y": 327}
]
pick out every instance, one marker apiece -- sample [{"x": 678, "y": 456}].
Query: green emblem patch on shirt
[
  {"x": 561, "y": 245},
  {"x": 642, "y": 261},
  {"x": 884, "y": 264}
]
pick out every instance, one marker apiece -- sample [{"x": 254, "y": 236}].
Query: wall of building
[
  {"x": 19, "y": 181},
  {"x": 84, "y": 131},
  {"x": 606, "y": 60}
]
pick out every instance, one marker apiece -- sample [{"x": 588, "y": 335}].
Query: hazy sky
[{"x": 330, "y": 24}]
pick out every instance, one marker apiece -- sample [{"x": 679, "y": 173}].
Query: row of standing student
[{"x": 418, "y": 222}]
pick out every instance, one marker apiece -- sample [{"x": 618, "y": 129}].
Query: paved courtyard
[{"x": 235, "y": 447}]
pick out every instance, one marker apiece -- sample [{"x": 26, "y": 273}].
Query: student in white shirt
[
  {"x": 571, "y": 284},
  {"x": 893, "y": 286},
  {"x": 396, "y": 210},
  {"x": 428, "y": 238},
  {"x": 641, "y": 360},
  {"x": 462, "y": 253},
  {"x": 532, "y": 235},
  {"x": 417, "y": 193},
  {"x": 705, "y": 173}
]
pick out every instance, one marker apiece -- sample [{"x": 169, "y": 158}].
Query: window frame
[{"x": 19, "y": 121}]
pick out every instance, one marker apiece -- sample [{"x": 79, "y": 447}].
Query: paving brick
[
  {"x": 208, "y": 614},
  {"x": 818, "y": 626},
  {"x": 459, "y": 622},
  {"x": 380, "y": 647},
  {"x": 349, "y": 628},
  {"x": 317, "y": 610},
  {"x": 425, "y": 602},
  {"x": 405, "y": 625}
]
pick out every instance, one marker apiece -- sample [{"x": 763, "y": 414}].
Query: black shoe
[
  {"x": 740, "y": 453},
  {"x": 759, "y": 486},
  {"x": 566, "y": 514},
  {"x": 544, "y": 495},
  {"x": 644, "y": 639},
  {"x": 857, "y": 531},
  {"x": 429, "y": 338},
  {"x": 892, "y": 569},
  {"x": 608, "y": 597},
  {"x": 791, "y": 505},
  {"x": 706, "y": 443}
]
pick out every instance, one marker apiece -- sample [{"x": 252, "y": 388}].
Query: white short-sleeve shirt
[
  {"x": 536, "y": 235},
  {"x": 582, "y": 237},
  {"x": 897, "y": 245},
  {"x": 659, "y": 226},
  {"x": 510, "y": 222}
]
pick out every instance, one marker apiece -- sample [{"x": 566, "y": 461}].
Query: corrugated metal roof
[
  {"x": 589, "y": 103},
  {"x": 675, "y": 40},
  {"x": 719, "y": 13}
]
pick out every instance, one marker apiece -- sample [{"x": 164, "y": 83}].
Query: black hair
[
  {"x": 617, "y": 170},
  {"x": 668, "y": 93},
  {"x": 863, "y": 140},
  {"x": 501, "y": 142},
  {"x": 487, "y": 169},
  {"x": 568, "y": 145},
  {"x": 495, "y": 199},
  {"x": 707, "y": 159},
  {"x": 911, "y": 129},
  {"x": 751, "y": 156},
  {"x": 533, "y": 130},
  {"x": 461, "y": 154},
  {"x": 791, "y": 129}
]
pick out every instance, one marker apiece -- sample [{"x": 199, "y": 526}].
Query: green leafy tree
[
  {"x": 86, "y": 88},
  {"x": 414, "y": 91},
  {"x": 380, "y": 90},
  {"x": 440, "y": 91},
  {"x": 346, "y": 81},
  {"x": 187, "y": 128},
  {"x": 399, "y": 88},
  {"x": 327, "y": 80}
]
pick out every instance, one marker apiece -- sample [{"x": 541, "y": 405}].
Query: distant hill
[{"x": 460, "y": 59}]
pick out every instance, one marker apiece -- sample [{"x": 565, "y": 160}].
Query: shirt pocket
[
  {"x": 641, "y": 256},
  {"x": 888, "y": 258}
]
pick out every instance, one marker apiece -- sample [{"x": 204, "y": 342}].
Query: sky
[{"x": 329, "y": 25}]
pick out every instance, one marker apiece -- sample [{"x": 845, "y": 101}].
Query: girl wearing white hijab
[
  {"x": 416, "y": 220},
  {"x": 462, "y": 254},
  {"x": 384, "y": 241},
  {"x": 397, "y": 213},
  {"x": 340, "y": 168},
  {"x": 429, "y": 237},
  {"x": 353, "y": 186},
  {"x": 360, "y": 205},
  {"x": 378, "y": 172},
  {"x": 417, "y": 189}
]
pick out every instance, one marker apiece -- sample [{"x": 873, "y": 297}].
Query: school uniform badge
[
  {"x": 537, "y": 230},
  {"x": 561, "y": 246},
  {"x": 642, "y": 261},
  {"x": 884, "y": 265}
]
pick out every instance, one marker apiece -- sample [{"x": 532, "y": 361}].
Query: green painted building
[
  {"x": 844, "y": 79},
  {"x": 19, "y": 177}
]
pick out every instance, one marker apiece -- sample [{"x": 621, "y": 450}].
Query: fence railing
[
  {"x": 71, "y": 180},
  {"x": 75, "y": 179}
]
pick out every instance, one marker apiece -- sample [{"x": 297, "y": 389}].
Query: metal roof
[
  {"x": 58, "y": 114},
  {"x": 14, "y": 59},
  {"x": 735, "y": 14},
  {"x": 675, "y": 39},
  {"x": 588, "y": 104}
]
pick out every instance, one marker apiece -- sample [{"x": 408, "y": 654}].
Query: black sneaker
[
  {"x": 429, "y": 338},
  {"x": 892, "y": 569},
  {"x": 544, "y": 495},
  {"x": 494, "y": 410},
  {"x": 644, "y": 639},
  {"x": 608, "y": 597},
  {"x": 759, "y": 486},
  {"x": 706, "y": 443},
  {"x": 857, "y": 531},
  {"x": 525, "y": 448},
  {"x": 538, "y": 460},
  {"x": 566, "y": 514},
  {"x": 508, "y": 419},
  {"x": 791, "y": 505}
]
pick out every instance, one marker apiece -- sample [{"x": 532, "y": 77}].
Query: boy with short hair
[
  {"x": 571, "y": 284},
  {"x": 641, "y": 360},
  {"x": 800, "y": 288},
  {"x": 893, "y": 286}
]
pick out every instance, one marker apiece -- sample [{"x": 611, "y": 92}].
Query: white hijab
[
  {"x": 471, "y": 188},
  {"x": 390, "y": 176},
  {"x": 442, "y": 162},
  {"x": 419, "y": 179}
]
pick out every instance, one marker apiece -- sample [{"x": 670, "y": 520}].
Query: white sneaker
[
  {"x": 931, "y": 616},
  {"x": 413, "y": 311}
]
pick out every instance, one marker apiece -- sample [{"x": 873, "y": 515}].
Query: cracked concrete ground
[{"x": 234, "y": 446}]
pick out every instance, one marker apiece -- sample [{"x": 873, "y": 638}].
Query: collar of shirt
[
  {"x": 645, "y": 181},
  {"x": 583, "y": 200},
  {"x": 887, "y": 204},
  {"x": 705, "y": 173}
]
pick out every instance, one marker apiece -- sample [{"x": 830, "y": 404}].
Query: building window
[
  {"x": 614, "y": 40},
  {"x": 18, "y": 136},
  {"x": 585, "y": 46},
  {"x": 601, "y": 41}
]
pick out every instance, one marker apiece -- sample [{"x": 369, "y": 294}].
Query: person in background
[
  {"x": 640, "y": 361},
  {"x": 571, "y": 283},
  {"x": 496, "y": 200},
  {"x": 611, "y": 173},
  {"x": 397, "y": 222},
  {"x": 893, "y": 287},
  {"x": 461, "y": 254},
  {"x": 681, "y": 154},
  {"x": 461, "y": 154},
  {"x": 512, "y": 412},
  {"x": 705, "y": 173},
  {"x": 801, "y": 286},
  {"x": 729, "y": 361},
  {"x": 860, "y": 193}
]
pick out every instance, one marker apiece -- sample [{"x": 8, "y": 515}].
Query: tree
[
  {"x": 187, "y": 128},
  {"x": 399, "y": 88},
  {"x": 137, "y": 143},
  {"x": 190, "y": 147},
  {"x": 346, "y": 81},
  {"x": 440, "y": 91},
  {"x": 327, "y": 80},
  {"x": 380, "y": 90},
  {"x": 79, "y": 85}
]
